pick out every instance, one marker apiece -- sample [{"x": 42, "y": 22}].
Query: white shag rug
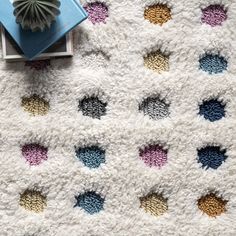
[{"x": 134, "y": 135}]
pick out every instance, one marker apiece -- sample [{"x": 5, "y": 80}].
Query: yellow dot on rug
[
  {"x": 35, "y": 105},
  {"x": 157, "y": 14},
  {"x": 154, "y": 204},
  {"x": 212, "y": 205},
  {"x": 33, "y": 200},
  {"x": 157, "y": 61}
]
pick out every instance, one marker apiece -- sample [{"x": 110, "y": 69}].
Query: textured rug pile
[{"x": 134, "y": 135}]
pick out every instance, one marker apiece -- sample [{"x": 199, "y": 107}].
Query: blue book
[{"x": 34, "y": 43}]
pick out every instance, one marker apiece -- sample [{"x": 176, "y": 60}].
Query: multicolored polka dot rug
[{"x": 133, "y": 136}]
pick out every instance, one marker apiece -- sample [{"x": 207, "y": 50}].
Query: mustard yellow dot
[
  {"x": 157, "y": 14},
  {"x": 33, "y": 200},
  {"x": 154, "y": 204},
  {"x": 35, "y": 105},
  {"x": 157, "y": 61},
  {"x": 212, "y": 205}
]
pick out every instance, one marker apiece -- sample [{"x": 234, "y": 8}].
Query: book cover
[
  {"x": 34, "y": 43},
  {"x": 11, "y": 51}
]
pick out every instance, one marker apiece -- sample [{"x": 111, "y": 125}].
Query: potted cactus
[{"x": 36, "y": 14}]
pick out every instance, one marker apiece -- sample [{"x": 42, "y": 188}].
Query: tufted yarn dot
[
  {"x": 154, "y": 204},
  {"x": 38, "y": 65},
  {"x": 212, "y": 110},
  {"x": 212, "y": 205},
  {"x": 211, "y": 157},
  {"x": 157, "y": 61},
  {"x": 35, "y": 105},
  {"x": 157, "y": 14},
  {"x": 91, "y": 202},
  {"x": 34, "y": 154},
  {"x": 213, "y": 64},
  {"x": 97, "y": 12},
  {"x": 91, "y": 157},
  {"x": 92, "y": 107},
  {"x": 33, "y": 200},
  {"x": 153, "y": 156},
  {"x": 214, "y": 15},
  {"x": 155, "y": 108}
]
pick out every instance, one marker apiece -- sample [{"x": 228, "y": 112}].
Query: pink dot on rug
[
  {"x": 34, "y": 153},
  {"x": 153, "y": 156},
  {"x": 214, "y": 15},
  {"x": 97, "y": 12}
]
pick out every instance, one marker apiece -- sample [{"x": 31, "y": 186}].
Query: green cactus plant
[{"x": 36, "y": 14}]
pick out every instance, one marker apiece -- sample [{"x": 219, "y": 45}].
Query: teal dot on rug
[
  {"x": 92, "y": 107},
  {"x": 90, "y": 202},
  {"x": 213, "y": 64},
  {"x": 91, "y": 157}
]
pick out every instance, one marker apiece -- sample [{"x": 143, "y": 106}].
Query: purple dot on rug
[
  {"x": 153, "y": 156},
  {"x": 214, "y": 15},
  {"x": 97, "y": 12},
  {"x": 38, "y": 65},
  {"x": 34, "y": 153}
]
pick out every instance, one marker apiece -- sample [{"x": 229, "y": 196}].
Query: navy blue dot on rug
[
  {"x": 93, "y": 107},
  {"x": 213, "y": 64},
  {"x": 211, "y": 157},
  {"x": 91, "y": 157},
  {"x": 212, "y": 110},
  {"x": 91, "y": 202}
]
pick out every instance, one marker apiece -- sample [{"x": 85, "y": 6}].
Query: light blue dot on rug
[
  {"x": 90, "y": 201},
  {"x": 91, "y": 157},
  {"x": 212, "y": 110},
  {"x": 213, "y": 64}
]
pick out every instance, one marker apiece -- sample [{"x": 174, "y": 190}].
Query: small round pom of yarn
[
  {"x": 213, "y": 64},
  {"x": 157, "y": 14},
  {"x": 157, "y": 61},
  {"x": 91, "y": 157},
  {"x": 33, "y": 200},
  {"x": 211, "y": 157},
  {"x": 97, "y": 12},
  {"x": 34, "y": 154},
  {"x": 38, "y": 65},
  {"x": 36, "y": 14},
  {"x": 154, "y": 204},
  {"x": 155, "y": 108},
  {"x": 212, "y": 110},
  {"x": 92, "y": 107},
  {"x": 214, "y": 15},
  {"x": 212, "y": 205},
  {"x": 153, "y": 156},
  {"x": 90, "y": 202},
  {"x": 35, "y": 105}
]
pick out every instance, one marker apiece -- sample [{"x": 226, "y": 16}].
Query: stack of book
[{"x": 19, "y": 44}]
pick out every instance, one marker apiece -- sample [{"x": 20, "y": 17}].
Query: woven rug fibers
[{"x": 134, "y": 135}]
